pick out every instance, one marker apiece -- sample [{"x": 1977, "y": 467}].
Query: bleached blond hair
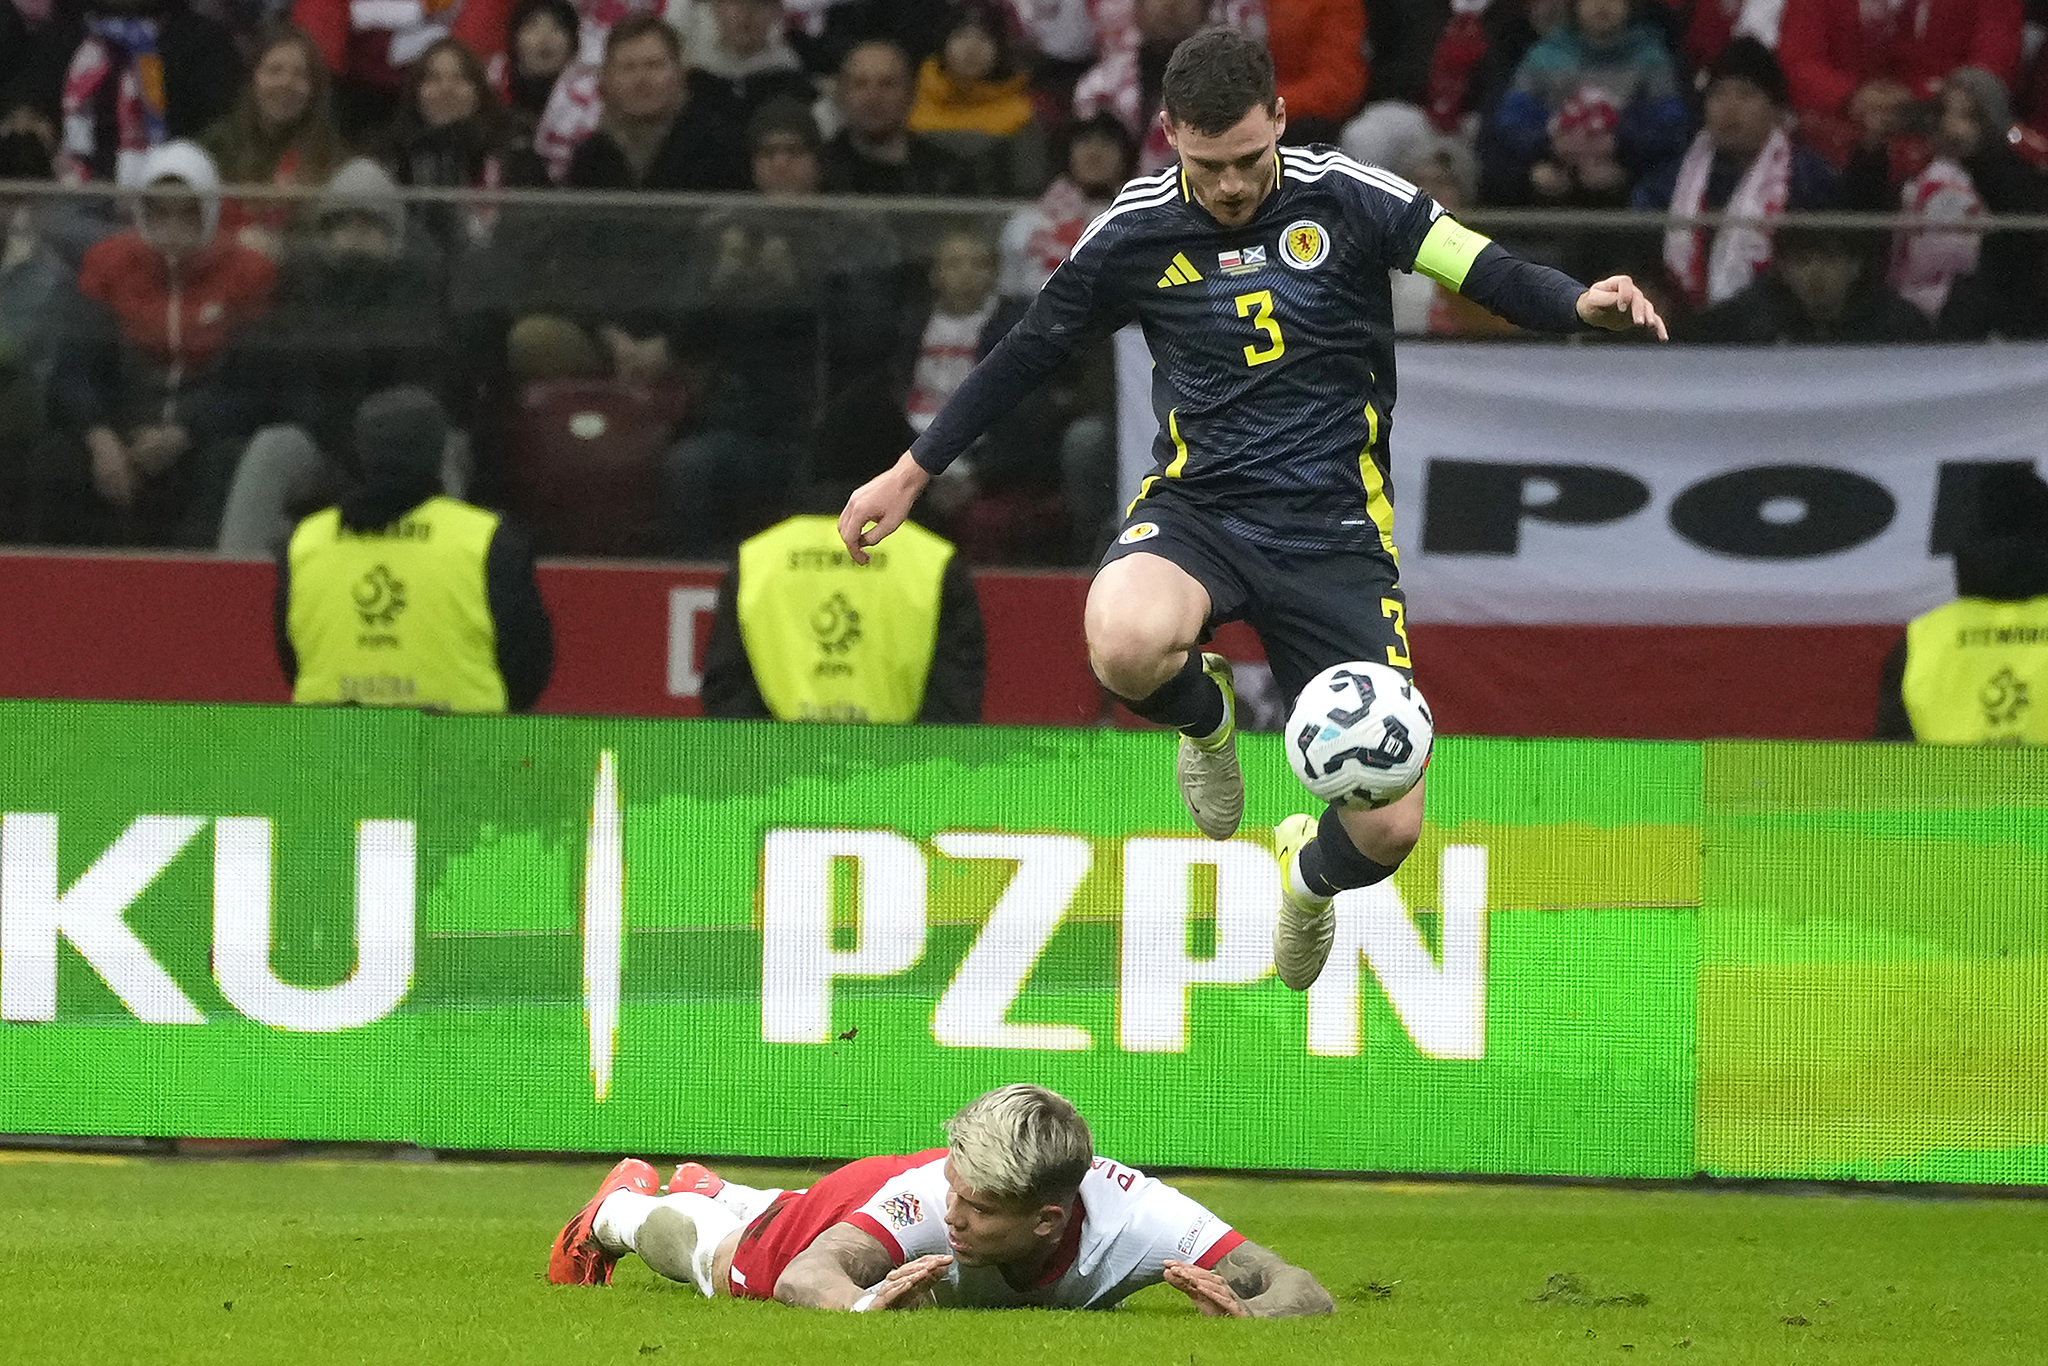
[{"x": 1021, "y": 1142}]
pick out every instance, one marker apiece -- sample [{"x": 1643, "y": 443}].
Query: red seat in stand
[{"x": 585, "y": 464}]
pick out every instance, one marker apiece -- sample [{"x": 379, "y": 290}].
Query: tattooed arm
[
  {"x": 1251, "y": 1282},
  {"x": 837, "y": 1269}
]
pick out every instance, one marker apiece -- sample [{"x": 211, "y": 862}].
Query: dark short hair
[
  {"x": 1746, "y": 59},
  {"x": 634, "y": 27},
  {"x": 1217, "y": 77},
  {"x": 783, "y": 114}
]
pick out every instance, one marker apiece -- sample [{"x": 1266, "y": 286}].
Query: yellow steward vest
[
  {"x": 398, "y": 616},
  {"x": 831, "y": 640},
  {"x": 1977, "y": 673}
]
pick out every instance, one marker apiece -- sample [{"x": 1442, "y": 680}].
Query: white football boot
[
  {"x": 1211, "y": 783},
  {"x": 1307, "y": 924}
]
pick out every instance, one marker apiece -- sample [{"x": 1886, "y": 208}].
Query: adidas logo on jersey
[{"x": 1180, "y": 272}]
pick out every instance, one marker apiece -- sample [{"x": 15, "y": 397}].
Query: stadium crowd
[{"x": 183, "y": 369}]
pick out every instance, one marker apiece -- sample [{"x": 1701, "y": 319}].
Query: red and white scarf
[
  {"x": 1712, "y": 273},
  {"x": 121, "y": 50},
  {"x": 1926, "y": 264},
  {"x": 1116, "y": 84},
  {"x": 574, "y": 107}
]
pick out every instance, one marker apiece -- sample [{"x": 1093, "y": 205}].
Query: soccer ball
[{"x": 1360, "y": 735}]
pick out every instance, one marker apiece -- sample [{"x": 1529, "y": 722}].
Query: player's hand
[
  {"x": 910, "y": 1286},
  {"x": 1210, "y": 1292},
  {"x": 879, "y": 506},
  {"x": 1617, "y": 304}
]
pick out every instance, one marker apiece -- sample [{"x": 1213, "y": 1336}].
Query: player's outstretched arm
[
  {"x": 835, "y": 1271},
  {"x": 879, "y": 506},
  {"x": 1617, "y": 304},
  {"x": 1251, "y": 1282}
]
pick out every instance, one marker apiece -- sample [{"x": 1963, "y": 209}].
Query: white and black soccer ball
[{"x": 1360, "y": 735}]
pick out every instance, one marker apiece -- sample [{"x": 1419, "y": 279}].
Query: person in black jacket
[
  {"x": 651, "y": 136},
  {"x": 876, "y": 153},
  {"x": 1822, "y": 285},
  {"x": 859, "y": 436}
]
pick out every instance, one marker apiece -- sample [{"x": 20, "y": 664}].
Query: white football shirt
[{"x": 1129, "y": 1226}]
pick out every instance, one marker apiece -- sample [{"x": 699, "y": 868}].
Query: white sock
[
  {"x": 1299, "y": 889},
  {"x": 713, "y": 1223},
  {"x": 747, "y": 1203},
  {"x": 619, "y": 1218}
]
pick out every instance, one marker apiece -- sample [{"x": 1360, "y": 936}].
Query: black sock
[
  {"x": 1190, "y": 701},
  {"x": 1331, "y": 863}
]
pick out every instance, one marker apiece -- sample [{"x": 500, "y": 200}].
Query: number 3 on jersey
[{"x": 1258, "y": 306}]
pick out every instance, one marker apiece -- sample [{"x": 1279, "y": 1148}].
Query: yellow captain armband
[{"x": 1449, "y": 251}]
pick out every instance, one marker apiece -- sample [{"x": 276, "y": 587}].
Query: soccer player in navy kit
[{"x": 1259, "y": 274}]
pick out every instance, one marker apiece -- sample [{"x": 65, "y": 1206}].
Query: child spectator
[
  {"x": 148, "y": 374},
  {"x": 971, "y": 100},
  {"x": 119, "y": 77},
  {"x": 1600, "y": 58},
  {"x": 964, "y": 298},
  {"x": 280, "y": 133},
  {"x": 368, "y": 46},
  {"x": 1744, "y": 162},
  {"x": 1101, "y": 156},
  {"x": 739, "y": 59}
]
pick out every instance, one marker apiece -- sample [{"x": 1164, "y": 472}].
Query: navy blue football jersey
[{"x": 1272, "y": 343}]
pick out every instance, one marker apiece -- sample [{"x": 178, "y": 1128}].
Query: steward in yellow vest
[
  {"x": 802, "y": 633},
  {"x": 401, "y": 597},
  {"x": 1975, "y": 671}
]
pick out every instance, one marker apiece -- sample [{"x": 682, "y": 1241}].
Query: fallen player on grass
[{"x": 1017, "y": 1211}]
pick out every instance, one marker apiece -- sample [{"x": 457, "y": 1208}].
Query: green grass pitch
[{"x": 304, "y": 1263}]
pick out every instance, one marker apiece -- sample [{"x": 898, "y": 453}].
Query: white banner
[{"x": 1683, "y": 485}]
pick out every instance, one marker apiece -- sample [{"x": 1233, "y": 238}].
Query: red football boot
[
  {"x": 577, "y": 1258},
  {"x": 694, "y": 1178}
]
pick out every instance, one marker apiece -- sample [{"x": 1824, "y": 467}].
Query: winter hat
[
  {"x": 362, "y": 186},
  {"x": 1746, "y": 59},
  {"x": 187, "y": 162},
  {"x": 400, "y": 435}
]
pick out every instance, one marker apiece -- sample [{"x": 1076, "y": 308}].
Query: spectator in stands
[
  {"x": 576, "y": 102},
  {"x": 1975, "y": 671},
  {"x": 369, "y": 46},
  {"x": 543, "y": 43},
  {"x": 963, "y": 302},
  {"x": 1602, "y": 56},
  {"x": 1822, "y": 285},
  {"x": 1135, "y": 39},
  {"x": 400, "y": 596},
  {"x": 116, "y": 78},
  {"x": 31, "y": 281},
  {"x": 1056, "y": 41},
  {"x": 356, "y": 313},
  {"x": 281, "y": 133},
  {"x": 452, "y": 133},
  {"x": 1318, "y": 51},
  {"x": 1743, "y": 162},
  {"x": 2007, "y": 294},
  {"x": 739, "y": 59},
  {"x": 651, "y": 136},
  {"x": 1443, "y": 72},
  {"x": 792, "y": 299},
  {"x": 149, "y": 374},
  {"x": 971, "y": 100},
  {"x": 1867, "y": 62},
  {"x": 801, "y": 633},
  {"x": 875, "y": 152},
  {"x": 1101, "y": 156}
]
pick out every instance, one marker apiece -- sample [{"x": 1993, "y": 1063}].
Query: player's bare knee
[{"x": 1387, "y": 835}]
